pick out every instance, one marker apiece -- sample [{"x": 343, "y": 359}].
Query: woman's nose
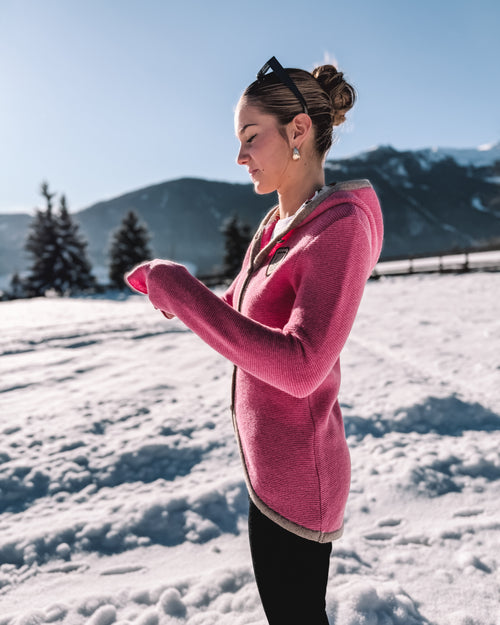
[{"x": 242, "y": 157}]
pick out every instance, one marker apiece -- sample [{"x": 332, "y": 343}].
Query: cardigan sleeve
[
  {"x": 228, "y": 295},
  {"x": 330, "y": 276}
]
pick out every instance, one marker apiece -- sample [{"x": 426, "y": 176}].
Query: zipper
[
  {"x": 242, "y": 293},
  {"x": 280, "y": 242},
  {"x": 238, "y": 308},
  {"x": 244, "y": 287}
]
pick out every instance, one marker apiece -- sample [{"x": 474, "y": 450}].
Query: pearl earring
[{"x": 295, "y": 154}]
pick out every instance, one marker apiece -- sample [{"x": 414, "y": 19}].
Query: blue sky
[{"x": 103, "y": 97}]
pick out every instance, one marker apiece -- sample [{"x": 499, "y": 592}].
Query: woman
[{"x": 283, "y": 323}]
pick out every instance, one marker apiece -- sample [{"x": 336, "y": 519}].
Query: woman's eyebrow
[{"x": 242, "y": 130}]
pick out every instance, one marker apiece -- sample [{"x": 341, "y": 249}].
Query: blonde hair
[{"x": 327, "y": 94}]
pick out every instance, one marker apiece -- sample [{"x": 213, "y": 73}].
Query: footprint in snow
[
  {"x": 379, "y": 535},
  {"x": 389, "y": 522},
  {"x": 468, "y": 512}
]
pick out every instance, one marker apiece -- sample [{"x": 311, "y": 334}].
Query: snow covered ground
[{"x": 122, "y": 498}]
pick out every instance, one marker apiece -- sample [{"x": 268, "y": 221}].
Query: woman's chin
[{"x": 261, "y": 188}]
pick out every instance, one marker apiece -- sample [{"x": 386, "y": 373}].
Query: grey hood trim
[{"x": 258, "y": 255}]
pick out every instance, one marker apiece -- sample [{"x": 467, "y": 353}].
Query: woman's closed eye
[{"x": 251, "y": 138}]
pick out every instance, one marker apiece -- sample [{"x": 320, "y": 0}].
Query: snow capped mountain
[
  {"x": 432, "y": 203},
  {"x": 483, "y": 156}
]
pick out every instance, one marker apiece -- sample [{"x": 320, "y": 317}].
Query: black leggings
[{"x": 291, "y": 572}]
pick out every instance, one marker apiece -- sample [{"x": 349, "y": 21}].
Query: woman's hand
[
  {"x": 138, "y": 277},
  {"x": 138, "y": 280}
]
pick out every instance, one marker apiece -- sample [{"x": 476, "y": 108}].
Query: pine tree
[
  {"x": 72, "y": 269},
  {"x": 17, "y": 289},
  {"x": 237, "y": 237},
  {"x": 42, "y": 245},
  {"x": 129, "y": 247},
  {"x": 58, "y": 250}
]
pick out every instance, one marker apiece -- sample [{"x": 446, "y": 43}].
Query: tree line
[{"x": 59, "y": 263}]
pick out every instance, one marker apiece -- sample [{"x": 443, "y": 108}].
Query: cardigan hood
[
  {"x": 359, "y": 192},
  {"x": 283, "y": 323}
]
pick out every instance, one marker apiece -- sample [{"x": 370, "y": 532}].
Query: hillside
[{"x": 433, "y": 201}]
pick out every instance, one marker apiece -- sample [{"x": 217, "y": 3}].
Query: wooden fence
[{"x": 452, "y": 262}]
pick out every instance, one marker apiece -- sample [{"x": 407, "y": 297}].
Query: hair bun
[{"x": 340, "y": 92}]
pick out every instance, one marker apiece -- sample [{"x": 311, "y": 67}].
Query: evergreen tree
[
  {"x": 17, "y": 290},
  {"x": 237, "y": 237},
  {"x": 129, "y": 247},
  {"x": 42, "y": 245},
  {"x": 72, "y": 269},
  {"x": 58, "y": 251}
]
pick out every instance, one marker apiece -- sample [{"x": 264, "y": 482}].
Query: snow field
[{"x": 121, "y": 493}]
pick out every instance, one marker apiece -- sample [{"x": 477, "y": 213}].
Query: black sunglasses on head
[{"x": 281, "y": 73}]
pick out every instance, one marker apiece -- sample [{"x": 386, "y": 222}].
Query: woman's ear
[{"x": 300, "y": 128}]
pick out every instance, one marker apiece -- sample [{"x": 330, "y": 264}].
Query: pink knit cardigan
[{"x": 283, "y": 323}]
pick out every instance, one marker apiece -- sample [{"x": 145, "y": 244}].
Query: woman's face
[{"x": 264, "y": 150}]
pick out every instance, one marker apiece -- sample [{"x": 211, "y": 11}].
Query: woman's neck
[{"x": 298, "y": 192}]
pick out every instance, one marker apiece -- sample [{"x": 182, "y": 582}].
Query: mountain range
[{"x": 434, "y": 201}]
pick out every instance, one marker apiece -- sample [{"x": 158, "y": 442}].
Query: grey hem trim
[{"x": 299, "y": 530}]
